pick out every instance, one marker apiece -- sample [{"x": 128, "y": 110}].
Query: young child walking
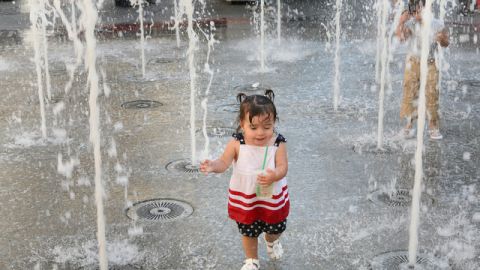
[
  {"x": 409, "y": 30},
  {"x": 258, "y": 194}
]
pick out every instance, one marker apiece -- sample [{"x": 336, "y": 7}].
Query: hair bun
[
  {"x": 269, "y": 93},
  {"x": 241, "y": 97}
]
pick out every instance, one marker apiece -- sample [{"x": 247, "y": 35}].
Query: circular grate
[
  {"x": 398, "y": 198},
  {"x": 183, "y": 166},
  {"x": 471, "y": 83},
  {"x": 123, "y": 267},
  {"x": 325, "y": 111},
  {"x": 254, "y": 87},
  {"x": 398, "y": 260},
  {"x": 139, "y": 78},
  {"x": 161, "y": 210},
  {"x": 55, "y": 99},
  {"x": 372, "y": 149},
  {"x": 57, "y": 68},
  {"x": 141, "y": 104},
  {"x": 162, "y": 60},
  {"x": 219, "y": 132},
  {"x": 232, "y": 107}
]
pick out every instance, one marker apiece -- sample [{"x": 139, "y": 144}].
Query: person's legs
[
  {"x": 274, "y": 247},
  {"x": 272, "y": 237},
  {"x": 411, "y": 84},
  {"x": 250, "y": 246},
  {"x": 432, "y": 95}
]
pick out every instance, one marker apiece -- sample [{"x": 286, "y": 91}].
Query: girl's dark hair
[
  {"x": 413, "y": 4},
  {"x": 256, "y": 105}
]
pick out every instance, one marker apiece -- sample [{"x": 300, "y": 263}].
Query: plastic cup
[{"x": 263, "y": 192}]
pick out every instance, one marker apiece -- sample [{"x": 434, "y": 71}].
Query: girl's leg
[
  {"x": 432, "y": 94},
  {"x": 274, "y": 248},
  {"x": 250, "y": 246},
  {"x": 272, "y": 237},
  {"x": 411, "y": 84}
]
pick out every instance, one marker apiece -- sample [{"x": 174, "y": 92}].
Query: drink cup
[{"x": 263, "y": 192}]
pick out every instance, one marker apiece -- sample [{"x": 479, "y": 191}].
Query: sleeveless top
[
  {"x": 414, "y": 43},
  {"x": 243, "y": 204}
]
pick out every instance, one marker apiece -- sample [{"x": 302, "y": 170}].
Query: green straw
[
  {"x": 265, "y": 158},
  {"x": 263, "y": 168}
]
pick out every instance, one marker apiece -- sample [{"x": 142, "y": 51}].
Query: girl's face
[{"x": 260, "y": 131}]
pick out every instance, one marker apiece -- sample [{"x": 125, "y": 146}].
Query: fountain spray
[
  {"x": 398, "y": 9},
  {"x": 417, "y": 187},
  {"x": 89, "y": 19},
  {"x": 336, "y": 81},
  {"x": 35, "y": 20},
  {"x": 279, "y": 21},
  {"x": 381, "y": 98},
  {"x": 379, "y": 39},
  {"x": 142, "y": 34},
  {"x": 440, "y": 49},
  {"x": 186, "y": 6},
  {"x": 72, "y": 35},
  {"x": 45, "y": 50},
  {"x": 211, "y": 42},
  {"x": 176, "y": 22},
  {"x": 262, "y": 36}
]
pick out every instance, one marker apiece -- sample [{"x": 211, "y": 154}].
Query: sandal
[
  {"x": 435, "y": 134},
  {"x": 408, "y": 133},
  {"x": 274, "y": 249},
  {"x": 251, "y": 264}
]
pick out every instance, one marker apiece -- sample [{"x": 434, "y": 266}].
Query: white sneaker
[
  {"x": 435, "y": 134},
  {"x": 408, "y": 133},
  {"x": 274, "y": 249},
  {"x": 251, "y": 264}
]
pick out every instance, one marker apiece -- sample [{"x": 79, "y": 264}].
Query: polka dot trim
[{"x": 257, "y": 227}]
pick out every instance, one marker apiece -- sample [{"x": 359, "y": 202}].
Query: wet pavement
[{"x": 349, "y": 202}]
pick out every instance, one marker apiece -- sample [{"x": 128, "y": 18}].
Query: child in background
[
  {"x": 409, "y": 30},
  {"x": 256, "y": 147}
]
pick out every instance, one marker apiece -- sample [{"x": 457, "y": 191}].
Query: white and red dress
[{"x": 243, "y": 204}]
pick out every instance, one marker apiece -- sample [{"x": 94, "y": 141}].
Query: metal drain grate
[
  {"x": 55, "y": 100},
  {"x": 48, "y": 265},
  {"x": 219, "y": 132},
  {"x": 148, "y": 78},
  {"x": 398, "y": 260},
  {"x": 183, "y": 166},
  {"x": 372, "y": 149},
  {"x": 162, "y": 60},
  {"x": 471, "y": 83},
  {"x": 326, "y": 112},
  {"x": 57, "y": 68},
  {"x": 161, "y": 210},
  {"x": 141, "y": 104},
  {"x": 254, "y": 87},
  {"x": 397, "y": 198},
  {"x": 232, "y": 107},
  {"x": 123, "y": 267}
]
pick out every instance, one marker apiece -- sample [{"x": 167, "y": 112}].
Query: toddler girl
[{"x": 258, "y": 194}]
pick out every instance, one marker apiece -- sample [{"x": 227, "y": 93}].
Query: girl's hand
[
  {"x": 404, "y": 17},
  {"x": 267, "y": 178},
  {"x": 206, "y": 166},
  {"x": 442, "y": 38}
]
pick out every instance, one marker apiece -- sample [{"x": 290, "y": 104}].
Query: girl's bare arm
[
  {"x": 223, "y": 162},
  {"x": 281, "y": 162},
  {"x": 402, "y": 32}
]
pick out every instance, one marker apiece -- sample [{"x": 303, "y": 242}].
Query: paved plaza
[{"x": 350, "y": 202}]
